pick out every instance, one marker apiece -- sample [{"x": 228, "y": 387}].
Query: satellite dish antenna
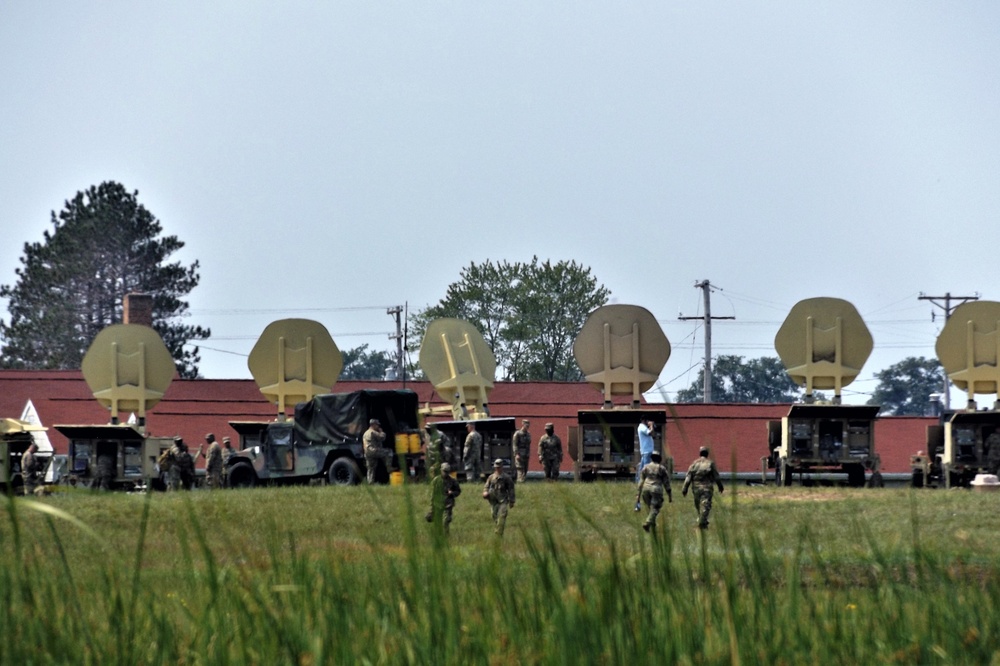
[
  {"x": 128, "y": 368},
  {"x": 823, "y": 344},
  {"x": 460, "y": 365},
  {"x": 969, "y": 349},
  {"x": 294, "y": 360},
  {"x": 621, "y": 350}
]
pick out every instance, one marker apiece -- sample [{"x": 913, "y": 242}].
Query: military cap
[
  {"x": 209, "y": 436},
  {"x": 549, "y": 425},
  {"x": 373, "y": 422},
  {"x": 525, "y": 421},
  {"x": 178, "y": 439},
  {"x": 225, "y": 440},
  {"x": 445, "y": 468},
  {"x": 655, "y": 457},
  {"x": 703, "y": 451},
  {"x": 498, "y": 463}
]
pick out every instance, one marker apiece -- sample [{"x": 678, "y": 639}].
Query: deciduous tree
[
  {"x": 529, "y": 314},
  {"x": 735, "y": 380},
  {"x": 905, "y": 388}
]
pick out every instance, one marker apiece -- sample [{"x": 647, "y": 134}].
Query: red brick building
[{"x": 191, "y": 408}]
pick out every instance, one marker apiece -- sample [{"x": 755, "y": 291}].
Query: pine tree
[{"x": 103, "y": 244}]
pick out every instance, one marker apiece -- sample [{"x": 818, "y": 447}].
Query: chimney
[{"x": 138, "y": 309}]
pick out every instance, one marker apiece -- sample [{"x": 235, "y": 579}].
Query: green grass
[{"x": 317, "y": 575}]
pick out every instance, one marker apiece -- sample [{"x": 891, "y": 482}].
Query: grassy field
[{"x": 324, "y": 575}]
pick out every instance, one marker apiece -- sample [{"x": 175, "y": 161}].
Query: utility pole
[
  {"x": 398, "y": 337},
  {"x": 706, "y": 288},
  {"x": 947, "y": 307}
]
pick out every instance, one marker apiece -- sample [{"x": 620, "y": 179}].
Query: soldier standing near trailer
[
  {"x": 374, "y": 439},
  {"x": 185, "y": 467},
  {"x": 435, "y": 454},
  {"x": 702, "y": 476},
  {"x": 30, "y": 469},
  {"x": 653, "y": 479},
  {"x": 473, "y": 454},
  {"x": 168, "y": 465},
  {"x": 105, "y": 475},
  {"x": 444, "y": 490},
  {"x": 521, "y": 443},
  {"x": 993, "y": 453},
  {"x": 227, "y": 453},
  {"x": 499, "y": 491},
  {"x": 213, "y": 464},
  {"x": 550, "y": 452}
]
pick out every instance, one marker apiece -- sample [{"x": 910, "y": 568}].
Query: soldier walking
[
  {"x": 213, "y": 464},
  {"x": 374, "y": 440},
  {"x": 499, "y": 491},
  {"x": 702, "y": 476},
  {"x": 550, "y": 452},
  {"x": 185, "y": 467},
  {"x": 168, "y": 465},
  {"x": 105, "y": 475},
  {"x": 473, "y": 454},
  {"x": 521, "y": 443},
  {"x": 653, "y": 480},
  {"x": 444, "y": 490}
]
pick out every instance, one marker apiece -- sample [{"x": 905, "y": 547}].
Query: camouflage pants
[
  {"x": 521, "y": 465},
  {"x": 654, "y": 501},
  {"x": 371, "y": 462},
  {"x": 499, "y": 515},
  {"x": 703, "y": 504},
  {"x": 174, "y": 478},
  {"x": 473, "y": 469},
  {"x": 551, "y": 466},
  {"x": 213, "y": 478}
]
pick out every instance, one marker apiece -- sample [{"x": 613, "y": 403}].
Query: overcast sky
[{"x": 329, "y": 160}]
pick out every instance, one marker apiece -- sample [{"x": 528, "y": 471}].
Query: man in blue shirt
[{"x": 645, "y": 449}]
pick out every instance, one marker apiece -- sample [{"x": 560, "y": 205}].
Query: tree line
[{"x": 104, "y": 244}]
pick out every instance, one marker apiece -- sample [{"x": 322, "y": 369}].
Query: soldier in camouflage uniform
[
  {"x": 444, "y": 490},
  {"x": 473, "y": 454},
  {"x": 227, "y": 453},
  {"x": 702, "y": 476},
  {"x": 499, "y": 491},
  {"x": 185, "y": 467},
  {"x": 653, "y": 480},
  {"x": 105, "y": 473},
  {"x": 521, "y": 444},
  {"x": 435, "y": 452},
  {"x": 550, "y": 452},
  {"x": 374, "y": 440},
  {"x": 30, "y": 469},
  {"x": 168, "y": 464},
  {"x": 993, "y": 453},
  {"x": 213, "y": 464}
]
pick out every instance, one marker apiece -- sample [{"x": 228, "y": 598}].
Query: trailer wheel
[
  {"x": 344, "y": 472},
  {"x": 918, "y": 478},
  {"x": 241, "y": 475},
  {"x": 876, "y": 480}
]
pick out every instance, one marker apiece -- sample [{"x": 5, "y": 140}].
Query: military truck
[
  {"x": 497, "y": 434},
  {"x": 621, "y": 350},
  {"x": 296, "y": 362},
  {"x": 823, "y": 344},
  {"x": 956, "y": 448},
  {"x": 128, "y": 368},
  {"x": 15, "y": 438},
  {"x": 323, "y": 441}
]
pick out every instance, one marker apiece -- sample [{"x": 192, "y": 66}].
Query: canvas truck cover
[{"x": 340, "y": 417}]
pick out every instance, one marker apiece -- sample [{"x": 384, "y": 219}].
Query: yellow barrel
[
  {"x": 402, "y": 443},
  {"x": 396, "y": 478},
  {"x": 414, "y": 442}
]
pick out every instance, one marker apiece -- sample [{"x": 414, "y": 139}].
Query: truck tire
[
  {"x": 241, "y": 475},
  {"x": 855, "y": 476},
  {"x": 344, "y": 472},
  {"x": 918, "y": 478}
]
